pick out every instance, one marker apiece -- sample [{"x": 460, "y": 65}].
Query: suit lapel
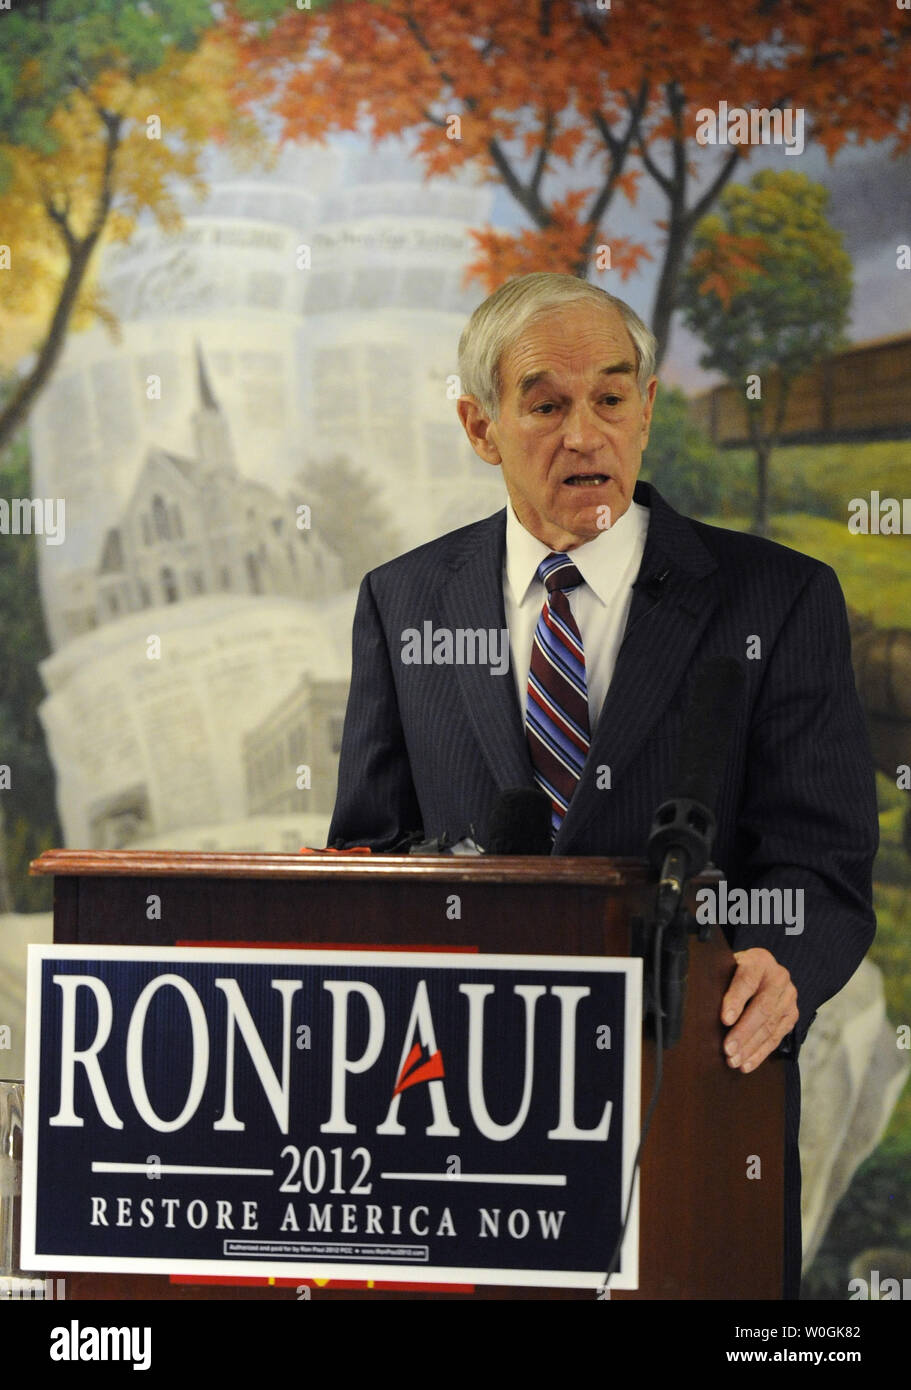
[
  {"x": 470, "y": 595},
  {"x": 674, "y": 596}
]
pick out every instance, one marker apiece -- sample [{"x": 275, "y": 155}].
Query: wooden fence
[{"x": 861, "y": 393}]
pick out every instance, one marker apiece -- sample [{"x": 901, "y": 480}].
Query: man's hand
[{"x": 772, "y": 1013}]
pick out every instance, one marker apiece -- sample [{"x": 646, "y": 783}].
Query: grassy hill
[{"x": 811, "y": 489}]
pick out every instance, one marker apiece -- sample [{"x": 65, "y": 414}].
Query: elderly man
[{"x": 612, "y": 602}]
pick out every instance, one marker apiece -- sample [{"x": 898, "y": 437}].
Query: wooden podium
[{"x": 707, "y": 1230}]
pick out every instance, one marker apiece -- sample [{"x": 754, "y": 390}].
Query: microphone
[
  {"x": 520, "y": 822},
  {"x": 650, "y": 584},
  {"x": 683, "y": 830},
  {"x": 440, "y": 844}
]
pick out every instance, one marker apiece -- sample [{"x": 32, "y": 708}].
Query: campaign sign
[{"x": 367, "y": 1115}]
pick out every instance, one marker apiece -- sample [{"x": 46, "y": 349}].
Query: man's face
[{"x": 572, "y": 424}]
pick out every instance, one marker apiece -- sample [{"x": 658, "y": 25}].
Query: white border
[{"x": 626, "y": 1277}]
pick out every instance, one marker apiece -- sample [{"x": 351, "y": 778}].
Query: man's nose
[{"x": 583, "y": 429}]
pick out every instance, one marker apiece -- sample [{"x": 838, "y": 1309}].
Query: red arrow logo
[{"x": 412, "y": 1073}]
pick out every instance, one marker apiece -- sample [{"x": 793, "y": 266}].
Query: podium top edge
[{"x": 575, "y": 869}]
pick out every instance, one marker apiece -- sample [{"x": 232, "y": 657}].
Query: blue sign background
[{"x": 591, "y": 1198}]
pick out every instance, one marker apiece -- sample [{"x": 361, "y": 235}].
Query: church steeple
[
  {"x": 207, "y": 397},
  {"x": 214, "y": 446}
]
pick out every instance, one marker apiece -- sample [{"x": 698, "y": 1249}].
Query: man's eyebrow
[{"x": 624, "y": 368}]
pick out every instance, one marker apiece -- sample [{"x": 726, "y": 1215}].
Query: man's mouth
[{"x": 586, "y": 479}]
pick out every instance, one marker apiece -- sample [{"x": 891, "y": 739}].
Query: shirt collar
[{"x": 601, "y": 561}]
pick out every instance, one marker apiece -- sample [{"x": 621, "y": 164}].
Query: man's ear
[
  {"x": 479, "y": 427},
  {"x": 647, "y": 408}
]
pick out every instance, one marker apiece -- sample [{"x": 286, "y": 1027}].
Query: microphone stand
[{"x": 680, "y": 841}]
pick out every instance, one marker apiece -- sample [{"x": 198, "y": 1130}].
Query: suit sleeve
[
  {"x": 376, "y": 803},
  {"x": 809, "y": 815}
]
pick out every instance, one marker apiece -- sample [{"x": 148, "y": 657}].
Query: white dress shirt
[{"x": 609, "y": 564}]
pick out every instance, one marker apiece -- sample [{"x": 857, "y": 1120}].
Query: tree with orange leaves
[{"x": 533, "y": 93}]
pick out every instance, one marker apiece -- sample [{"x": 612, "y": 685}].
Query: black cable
[{"x": 656, "y": 1089}]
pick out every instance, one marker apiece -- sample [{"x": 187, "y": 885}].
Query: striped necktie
[{"x": 556, "y": 721}]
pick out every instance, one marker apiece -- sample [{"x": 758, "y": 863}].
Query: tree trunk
[
  {"x": 16, "y": 412},
  {"x": 6, "y": 897},
  {"x": 666, "y": 293},
  {"x": 79, "y": 255}
]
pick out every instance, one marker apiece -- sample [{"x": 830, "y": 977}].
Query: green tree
[
  {"x": 104, "y": 105},
  {"x": 28, "y": 817},
  {"x": 768, "y": 289},
  {"x": 329, "y": 486},
  {"x": 681, "y": 460}
]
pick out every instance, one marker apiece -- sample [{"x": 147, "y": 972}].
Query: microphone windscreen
[
  {"x": 520, "y": 823},
  {"x": 708, "y": 729}
]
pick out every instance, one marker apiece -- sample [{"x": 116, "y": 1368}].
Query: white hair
[{"x": 502, "y": 317}]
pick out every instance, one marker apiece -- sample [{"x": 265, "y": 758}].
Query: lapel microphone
[{"x": 652, "y": 583}]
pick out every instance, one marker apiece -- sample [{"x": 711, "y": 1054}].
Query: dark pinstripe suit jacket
[{"x": 430, "y": 747}]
